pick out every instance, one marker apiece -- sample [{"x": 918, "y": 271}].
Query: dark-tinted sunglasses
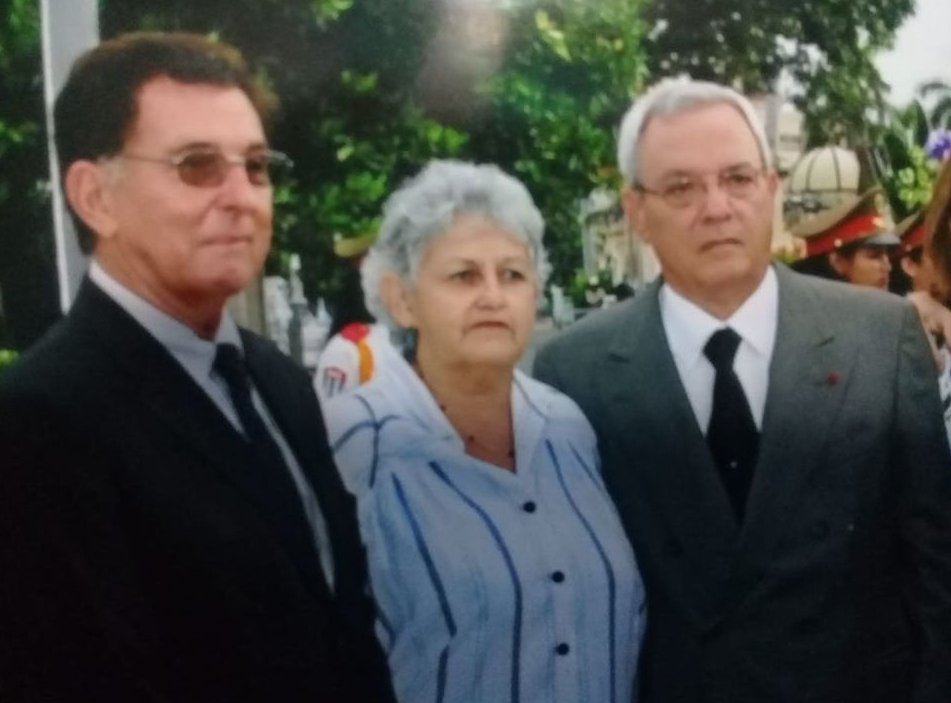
[{"x": 208, "y": 168}]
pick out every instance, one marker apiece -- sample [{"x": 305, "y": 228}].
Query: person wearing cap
[
  {"x": 357, "y": 344},
  {"x": 916, "y": 264},
  {"x": 920, "y": 278},
  {"x": 850, "y": 242}
]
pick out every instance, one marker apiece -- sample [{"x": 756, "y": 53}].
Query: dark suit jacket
[
  {"x": 837, "y": 586},
  {"x": 135, "y": 561}
]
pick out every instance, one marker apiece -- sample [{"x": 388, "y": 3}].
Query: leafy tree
[
  {"x": 343, "y": 71},
  {"x": 937, "y": 94},
  {"x": 902, "y": 165},
  {"x": 570, "y": 73},
  {"x": 27, "y": 258},
  {"x": 826, "y": 46},
  {"x": 373, "y": 89}
]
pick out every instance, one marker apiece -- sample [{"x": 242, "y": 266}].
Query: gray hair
[
  {"x": 425, "y": 206},
  {"x": 673, "y": 96}
]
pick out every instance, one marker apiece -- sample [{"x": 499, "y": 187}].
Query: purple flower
[{"x": 939, "y": 144}]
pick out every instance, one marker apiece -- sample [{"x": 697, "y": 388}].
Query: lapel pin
[{"x": 832, "y": 378}]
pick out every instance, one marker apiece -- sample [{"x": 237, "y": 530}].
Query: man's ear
[
  {"x": 397, "y": 299},
  {"x": 772, "y": 182},
  {"x": 633, "y": 204},
  {"x": 87, "y": 189}
]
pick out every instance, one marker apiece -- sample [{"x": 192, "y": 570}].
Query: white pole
[{"x": 69, "y": 27}]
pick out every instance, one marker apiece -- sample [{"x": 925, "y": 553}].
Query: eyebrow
[
  {"x": 212, "y": 146},
  {"x": 473, "y": 262},
  {"x": 685, "y": 172}
]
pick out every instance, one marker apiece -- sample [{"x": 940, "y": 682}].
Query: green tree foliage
[
  {"x": 27, "y": 258},
  {"x": 344, "y": 72},
  {"x": 570, "y": 73},
  {"x": 373, "y": 89},
  {"x": 827, "y": 46},
  {"x": 902, "y": 167},
  {"x": 937, "y": 94}
]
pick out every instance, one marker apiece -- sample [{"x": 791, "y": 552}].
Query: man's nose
[
  {"x": 237, "y": 190},
  {"x": 716, "y": 200}
]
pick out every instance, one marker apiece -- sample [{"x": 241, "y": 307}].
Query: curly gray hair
[{"x": 425, "y": 206}]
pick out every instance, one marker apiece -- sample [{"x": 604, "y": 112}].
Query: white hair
[
  {"x": 673, "y": 96},
  {"x": 425, "y": 206}
]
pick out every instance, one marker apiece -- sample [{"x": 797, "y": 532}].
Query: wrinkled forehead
[
  {"x": 171, "y": 113},
  {"x": 705, "y": 138}
]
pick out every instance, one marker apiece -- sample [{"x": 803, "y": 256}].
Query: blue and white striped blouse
[{"x": 490, "y": 586}]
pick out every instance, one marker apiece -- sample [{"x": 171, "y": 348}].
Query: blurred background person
[
  {"x": 352, "y": 355},
  {"x": 499, "y": 565},
  {"x": 938, "y": 231},
  {"x": 932, "y": 278},
  {"x": 915, "y": 272},
  {"x": 918, "y": 277},
  {"x": 851, "y": 242}
]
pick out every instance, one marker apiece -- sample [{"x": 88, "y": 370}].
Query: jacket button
[
  {"x": 528, "y": 506},
  {"x": 558, "y": 577},
  {"x": 562, "y": 649}
]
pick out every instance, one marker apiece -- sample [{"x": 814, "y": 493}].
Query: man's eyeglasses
[
  {"x": 208, "y": 168},
  {"x": 689, "y": 190}
]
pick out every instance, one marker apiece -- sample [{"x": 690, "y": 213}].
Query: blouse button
[
  {"x": 558, "y": 577},
  {"x": 562, "y": 649},
  {"x": 528, "y": 507}
]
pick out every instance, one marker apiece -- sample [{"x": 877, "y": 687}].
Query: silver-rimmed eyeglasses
[
  {"x": 689, "y": 190},
  {"x": 208, "y": 168}
]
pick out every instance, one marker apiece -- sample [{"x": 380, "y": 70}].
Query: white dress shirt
[
  {"x": 688, "y": 327},
  {"x": 197, "y": 355}
]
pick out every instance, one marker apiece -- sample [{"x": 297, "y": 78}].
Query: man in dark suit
[
  {"x": 172, "y": 526},
  {"x": 773, "y": 442}
]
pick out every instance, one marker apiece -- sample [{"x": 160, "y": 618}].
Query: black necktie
[
  {"x": 732, "y": 435},
  {"x": 273, "y": 484}
]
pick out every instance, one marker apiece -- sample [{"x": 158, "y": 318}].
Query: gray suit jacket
[{"x": 837, "y": 586}]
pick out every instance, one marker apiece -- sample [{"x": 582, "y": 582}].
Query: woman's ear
[
  {"x": 838, "y": 263},
  {"x": 87, "y": 189},
  {"x": 397, "y": 299}
]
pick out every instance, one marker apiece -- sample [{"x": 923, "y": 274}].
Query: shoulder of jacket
[{"x": 355, "y": 332}]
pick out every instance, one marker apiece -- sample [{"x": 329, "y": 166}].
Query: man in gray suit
[{"x": 773, "y": 442}]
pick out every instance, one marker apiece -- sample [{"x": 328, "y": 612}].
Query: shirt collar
[
  {"x": 193, "y": 352},
  {"x": 408, "y": 392},
  {"x": 688, "y": 326}
]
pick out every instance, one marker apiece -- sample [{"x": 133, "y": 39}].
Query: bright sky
[{"x": 922, "y": 50}]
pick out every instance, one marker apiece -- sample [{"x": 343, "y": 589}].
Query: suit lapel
[
  {"x": 295, "y": 409},
  {"x": 174, "y": 400},
  {"x": 295, "y": 413},
  {"x": 666, "y": 450},
  {"x": 808, "y": 376},
  {"x": 160, "y": 383}
]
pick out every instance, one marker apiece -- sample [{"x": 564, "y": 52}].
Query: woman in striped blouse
[{"x": 499, "y": 566}]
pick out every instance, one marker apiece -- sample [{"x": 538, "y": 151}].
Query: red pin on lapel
[{"x": 832, "y": 378}]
